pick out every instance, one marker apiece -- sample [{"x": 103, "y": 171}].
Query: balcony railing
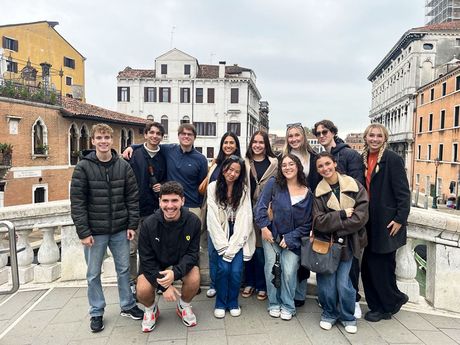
[{"x": 30, "y": 93}]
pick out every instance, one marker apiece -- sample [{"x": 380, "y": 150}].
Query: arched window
[
  {"x": 123, "y": 140},
  {"x": 84, "y": 138},
  {"x": 39, "y": 138},
  {"x": 164, "y": 122},
  {"x": 185, "y": 119},
  {"x": 73, "y": 144},
  {"x": 150, "y": 118},
  {"x": 130, "y": 140}
]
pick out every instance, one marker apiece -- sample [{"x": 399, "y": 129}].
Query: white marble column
[
  {"x": 49, "y": 269},
  {"x": 406, "y": 271},
  {"x": 25, "y": 257}
]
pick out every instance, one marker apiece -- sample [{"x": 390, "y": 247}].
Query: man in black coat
[
  {"x": 169, "y": 248},
  {"x": 105, "y": 211},
  {"x": 349, "y": 162},
  {"x": 149, "y": 166}
]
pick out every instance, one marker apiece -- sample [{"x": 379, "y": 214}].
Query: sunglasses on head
[
  {"x": 291, "y": 125},
  {"x": 322, "y": 133}
]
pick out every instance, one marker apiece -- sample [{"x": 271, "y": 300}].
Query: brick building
[
  {"x": 46, "y": 141},
  {"x": 355, "y": 141},
  {"x": 437, "y": 134}
]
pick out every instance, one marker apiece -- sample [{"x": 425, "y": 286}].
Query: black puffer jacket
[
  {"x": 349, "y": 161},
  {"x": 104, "y": 197}
]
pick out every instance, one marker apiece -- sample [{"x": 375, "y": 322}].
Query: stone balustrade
[{"x": 439, "y": 231}]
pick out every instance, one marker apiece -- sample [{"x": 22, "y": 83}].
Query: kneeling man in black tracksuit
[{"x": 169, "y": 247}]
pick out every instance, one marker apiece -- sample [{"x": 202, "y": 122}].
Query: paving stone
[
  {"x": 393, "y": 331},
  {"x": 442, "y": 321},
  {"x": 452, "y": 333},
  {"x": 210, "y": 338},
  {"x": 56, "y": 334},
  {"x": 31, "y": 325},
  {"x": 75, "y": 310},
  {"x": 285, "y": 332},
  {"x": 434, "y": 338},
  {"x": 310, "y": 324},
  {"x": 310, "y": 306},
  {"x": 250, "y": 339},
  {"x": 366, "y": 335},
  {"x": 124, "y": 335},
  {"x": 414, "y": 321},
  {"x": 19, "y": 303},
  {"x": 111, "y": 295},
  {"x": 248, "y": 323},
  {"x": 57, "y": 298},
  {"x": 81, "y": 292}
]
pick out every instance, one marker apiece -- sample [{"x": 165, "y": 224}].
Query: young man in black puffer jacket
[{"x": 105, "y": 210}]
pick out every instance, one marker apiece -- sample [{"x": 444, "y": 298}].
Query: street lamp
[{"x": 435, "y": 196}]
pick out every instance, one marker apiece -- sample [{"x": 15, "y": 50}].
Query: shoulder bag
[{"x": 320, "y": 256}]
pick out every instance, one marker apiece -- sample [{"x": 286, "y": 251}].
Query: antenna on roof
[
  {"x": 211, "y": 57},
  {"x": 172, "y": 36}
]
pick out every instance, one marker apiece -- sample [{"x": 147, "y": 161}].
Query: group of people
[{"x": 256, "y": 210}]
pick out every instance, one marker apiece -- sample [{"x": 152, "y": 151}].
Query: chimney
[{"x": 221, "y": 69}]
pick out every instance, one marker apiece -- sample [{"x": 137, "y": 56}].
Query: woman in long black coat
[{"x": 389, "y": 206}]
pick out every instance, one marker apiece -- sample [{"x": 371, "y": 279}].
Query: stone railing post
[
  {"x": 25, "y": 257},
  {"x": 49, "y": 269},
  {"x": 406, "y": 271},
  {"x": 73, "y": 264}
]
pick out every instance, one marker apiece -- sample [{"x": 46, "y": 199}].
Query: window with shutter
[{"x": 210, "y": 95}]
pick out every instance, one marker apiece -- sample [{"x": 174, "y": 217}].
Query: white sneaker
[
  {"x": 274, "y": 312},
  {"x": 358, "y": 313},
  {"x": 325, "y": 325},
  {"x": 211, "y": 293},
  {"x": 352, "y": 329},
  {"x": 235, "y": 312},
  {"x": 150, "y": 318},
  {"x": 186, "y": 314},
  {"x": 219, "y": 313},
  {"x": 285, "y": 315}
]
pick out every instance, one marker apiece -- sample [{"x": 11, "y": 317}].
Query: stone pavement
[{"x": 58, "y": 316}]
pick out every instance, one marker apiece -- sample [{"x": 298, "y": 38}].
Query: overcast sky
[{"x": 311, "y": 57}]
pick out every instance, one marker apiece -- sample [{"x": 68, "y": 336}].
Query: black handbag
[{"x": 320, "y": 256}]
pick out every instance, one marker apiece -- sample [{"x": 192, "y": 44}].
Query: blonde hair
[
  {"x": 304, "y": 149},
  {"x": 382, "y": 149},
  {"x": 101, "y": 127}
]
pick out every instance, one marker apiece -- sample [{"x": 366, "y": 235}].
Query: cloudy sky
[{"x": 311, "y": 57}]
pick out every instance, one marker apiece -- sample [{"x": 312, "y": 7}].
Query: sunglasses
[
  {"x": 322, "y": 133},
  {"x": 291, "y": 125}
]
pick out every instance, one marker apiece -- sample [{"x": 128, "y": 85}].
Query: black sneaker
[
  {"x": 96, "y": 324},
  {"x": 376, "y": 316},
  {"x": 134, "y": 313},
  {"x": 299, "y": 303},
  {"x": 397, "y": 308}
]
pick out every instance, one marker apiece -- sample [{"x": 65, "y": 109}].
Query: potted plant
[
  {"x": 7, "y": 153},
  {"x": 41, "y": 149}
]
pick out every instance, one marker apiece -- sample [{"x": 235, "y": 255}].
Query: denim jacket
[{"x": 290, "y": 221}]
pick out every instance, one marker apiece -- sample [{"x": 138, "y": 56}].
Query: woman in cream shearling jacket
[{"x": 229, "y": 220}]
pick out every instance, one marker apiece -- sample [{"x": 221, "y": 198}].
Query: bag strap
[{"x": 312, "y": 236}]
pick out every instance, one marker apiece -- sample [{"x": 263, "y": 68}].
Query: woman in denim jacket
[{"x": 291, "y": 203}]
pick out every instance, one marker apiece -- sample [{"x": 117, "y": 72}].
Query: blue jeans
[
  {"x": 228, "y": 281},
  {"x": 282, "y": 298},
  {"x": 337, "y": 295},
  {"x": 119, "y": 246},
  {"x": 254, "y": 271},
  {"x": 213, "y": 257}
]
